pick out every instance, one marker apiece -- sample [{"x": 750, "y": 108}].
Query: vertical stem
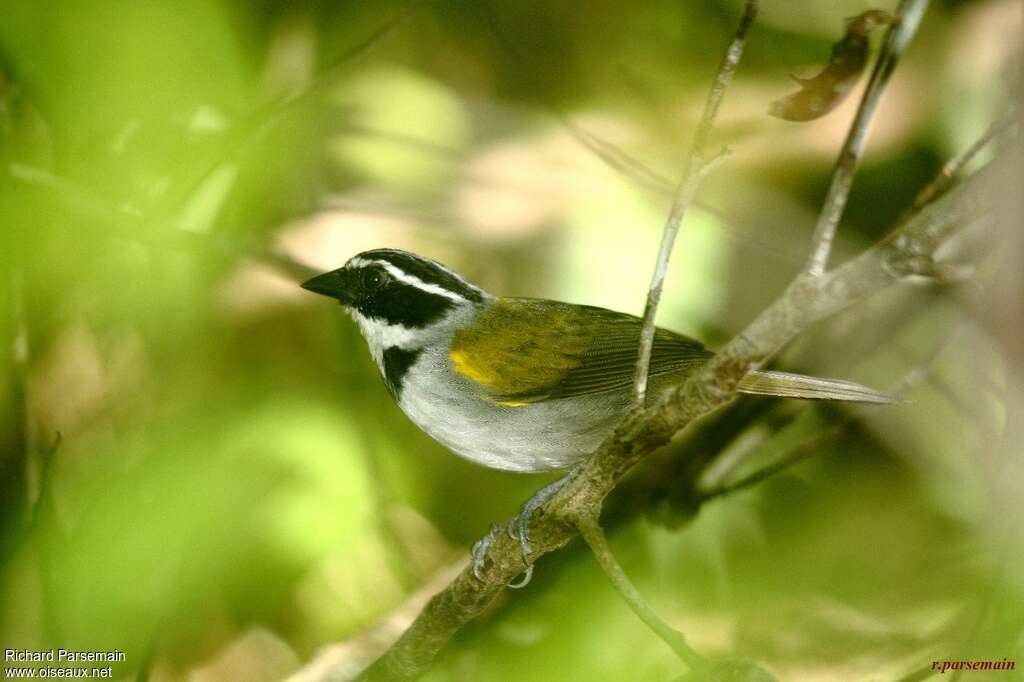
[
  {"x": 952, "y": 168},
  {"x": 685, "y": 193},
  {"x": 594, "y": 536},
  {"x": 908, "y": 17}
]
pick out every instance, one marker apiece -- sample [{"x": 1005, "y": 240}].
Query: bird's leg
[
  {"x": 594, "y": 536},
  {"x": 519, "y": 528}
]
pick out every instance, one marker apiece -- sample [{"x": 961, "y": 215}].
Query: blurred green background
[{"x": 232, "y": 487}]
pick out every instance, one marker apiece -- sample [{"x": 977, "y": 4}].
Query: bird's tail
[{"x": 789, "y": 385}]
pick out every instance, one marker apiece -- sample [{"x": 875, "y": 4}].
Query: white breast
[{"x": 537, "y": 437}]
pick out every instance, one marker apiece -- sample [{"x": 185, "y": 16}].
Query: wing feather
[{"x": 522, "y": 351}]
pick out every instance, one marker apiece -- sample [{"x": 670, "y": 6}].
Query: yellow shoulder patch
[
  {"x": 462, "y": 365},
  {"x": 519, "y": 348}
]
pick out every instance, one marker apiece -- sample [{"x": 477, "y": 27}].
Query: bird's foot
[
  {"x": 479, "y": 554},
  {"x": 519, "y": 528},
  {"x": 479, "y": 551}
]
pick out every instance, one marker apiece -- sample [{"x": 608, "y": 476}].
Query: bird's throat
[{"x": 395, "y": 364}]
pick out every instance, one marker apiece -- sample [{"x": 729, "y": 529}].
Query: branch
[
  {"x": 693, "y": 173},
  {"x": 635, "y": 170},
  {"x": 594, "y": 536},
  {"x": 952, "y": 169},
  {"x": 805, "y": 301},
  {"x": 908, "y": 18},
  {"x": 812, "y": 447},
  {"x": 344, "y": 660}
]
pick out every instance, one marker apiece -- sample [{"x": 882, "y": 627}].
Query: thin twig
[
  {"x": 801, "y": 452},
  {"x": 617, "y": 159},
  {"x": 633, "y": 169},
  {"x": 897, "y": 38},
  {"x": 948, "y": 175},
  {"x": 630, "y": 167},
  {"x": 594, "y": 536},
  {"x": 812, "y": 447},
  {"x": 685, "y": 193}
]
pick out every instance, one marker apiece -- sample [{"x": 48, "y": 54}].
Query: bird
[{"x": 519, "y": 384}]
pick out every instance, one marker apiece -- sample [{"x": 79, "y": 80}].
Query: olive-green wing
[{"x": 522, "y": 351}]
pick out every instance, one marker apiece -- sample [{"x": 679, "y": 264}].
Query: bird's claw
[
  {"x": 527, "y": 577},
  {"x": 517, "y": 529},
  {"x": 479, "y": 552}
]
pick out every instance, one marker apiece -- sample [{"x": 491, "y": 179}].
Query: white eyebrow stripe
[{"x": 411, "y": 280}]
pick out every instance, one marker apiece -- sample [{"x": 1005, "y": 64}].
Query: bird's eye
[{"x": 372, "y": 279}]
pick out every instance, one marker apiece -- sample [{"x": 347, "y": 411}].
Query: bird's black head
[{"x": 395, "y": 287}]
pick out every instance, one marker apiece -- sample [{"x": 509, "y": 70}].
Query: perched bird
[{"x": 519, "y": 384}]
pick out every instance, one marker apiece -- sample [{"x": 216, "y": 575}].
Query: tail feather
[{"x": 789, "y": 385}]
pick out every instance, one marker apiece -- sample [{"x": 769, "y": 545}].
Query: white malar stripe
[
  {"x": 380, "y": 335},
  {"x": 411, "y": 280}
]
